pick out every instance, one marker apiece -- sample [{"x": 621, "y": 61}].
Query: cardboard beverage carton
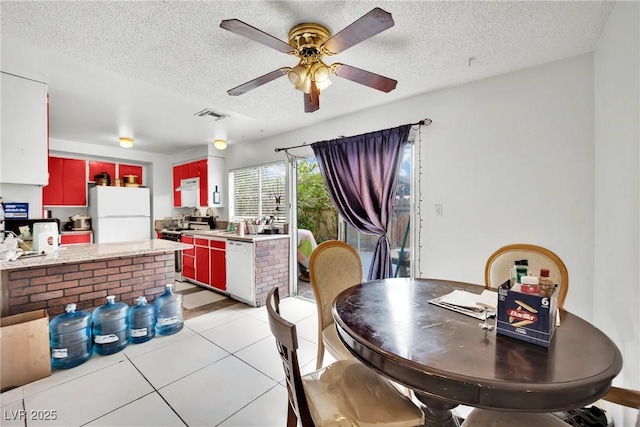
[{"x": 526, "y": 316}]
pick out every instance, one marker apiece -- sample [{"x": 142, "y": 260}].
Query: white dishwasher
[{"x": 241, "y": 271}]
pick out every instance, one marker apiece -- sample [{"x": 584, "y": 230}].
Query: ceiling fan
[{"x": 311, "y": 42}]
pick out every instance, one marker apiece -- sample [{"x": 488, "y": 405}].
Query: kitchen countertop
[
  {"x": 232, "y": 235},
  {"x": 89, "y": 252}
]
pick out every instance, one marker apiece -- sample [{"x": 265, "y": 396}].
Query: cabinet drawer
[
  {"x": 69, "y": 239},
  {"x": 202, "y": 242},
  {"x": 218, "y": 244},
  {"x": 188, "y": 262},
  {"x": 189, "y": 240}
]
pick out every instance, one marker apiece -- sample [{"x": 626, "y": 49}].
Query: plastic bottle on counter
[
  {"x": 169, "y": 312},
  {"x": 529, "y": 285},
  {"x": 110, "y": 327},
  {"x": 546, "y": 284},
  {"x": 70, "y": 338},
  {"x": 521, "y": 268},
  {"x": 142, "y": 321}
]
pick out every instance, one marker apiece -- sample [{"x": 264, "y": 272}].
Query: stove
[{"x": 174, "y": 235}]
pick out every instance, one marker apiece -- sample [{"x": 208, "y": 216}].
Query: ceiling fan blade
[
  {"x": 367, "y": 26},
  {"x": 257, "y": 82},
  {"x": 367, "y": 78},
  {"x": 312, "y": 99},
  {"x": 246, "y": 30}
]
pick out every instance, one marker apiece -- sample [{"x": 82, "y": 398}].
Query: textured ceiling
[{"x": 144, "y": 68}]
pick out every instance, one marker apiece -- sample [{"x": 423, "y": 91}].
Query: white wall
[
  {"x": 548, "y": 155},
  {"x": 31, "y": 194},
  {"x": 510, "y": 158},
  {"x": 617, "y": 189}
]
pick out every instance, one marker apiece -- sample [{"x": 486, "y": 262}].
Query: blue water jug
[
  {"x": 142, "y": 321},
  {"x": 70, "y": 338},
  {"x": 169, "y": 312},
  {"x": 110, "y": 329}
]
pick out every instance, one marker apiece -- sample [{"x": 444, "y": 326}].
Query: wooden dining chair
[
  {"x": 333, "y": 267},
  {"x": 343, "y": 393},
  {"x": 499, "y": 264},
  {"x": 488, "y": 418}
]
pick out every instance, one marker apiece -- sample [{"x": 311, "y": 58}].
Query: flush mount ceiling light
[
  {"x": 126, "y": 142},
  {"x": 220, "y": 144}
]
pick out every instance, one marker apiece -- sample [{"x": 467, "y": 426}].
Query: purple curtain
[{"x": 361, "y": 175}]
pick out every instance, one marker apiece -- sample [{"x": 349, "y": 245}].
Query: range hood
[
  {"x": 189, "y": 184},
  {"x": 189, "y": 192}
]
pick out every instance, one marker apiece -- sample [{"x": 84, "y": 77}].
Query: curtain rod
[{"x": 424, "y": 122}]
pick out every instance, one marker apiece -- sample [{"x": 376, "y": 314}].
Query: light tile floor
[{"x": 222, "y": 369}]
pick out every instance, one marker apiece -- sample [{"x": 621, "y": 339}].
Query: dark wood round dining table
[{"x": 447, "y": 359}]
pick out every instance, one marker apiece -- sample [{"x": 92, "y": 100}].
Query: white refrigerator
[{"x": 120, "y": 214}]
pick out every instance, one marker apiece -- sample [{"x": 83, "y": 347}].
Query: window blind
[{"x": 254, "y": 191}]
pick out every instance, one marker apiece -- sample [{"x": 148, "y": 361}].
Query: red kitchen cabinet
[
  {"x": 188, "y": 259},
  {"x": 98, "y": 167},
  {"x": 192, "y": 170},
  {"x": 179, "y": 172},
  {"x": 75, "y": 238},
  {"x": 188, "y": 267},
  {"x": 52, "y": 193},
  {"x": 198, "y": 169},
  {"x": 129, "y": 170},
  {"x": 203, "y": 174},
  {"x": 202, "y": 261},
  {"x": 218, "y": 263},
  {"x": 67, "y": 183}
]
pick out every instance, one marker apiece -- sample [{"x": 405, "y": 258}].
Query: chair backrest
[
  {"x": 499, "y": 264},
  {"x": 623, "y": 396},
  {"x": 287, "y": 343},
  {"x": 334, "y": 266}
]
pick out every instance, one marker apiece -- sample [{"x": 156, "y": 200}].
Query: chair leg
[
  {"x": 320, "y": 355},
  {"x": 292, "y": 420}
]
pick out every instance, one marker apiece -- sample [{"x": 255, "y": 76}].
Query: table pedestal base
[{"x": 437, "y": 413}]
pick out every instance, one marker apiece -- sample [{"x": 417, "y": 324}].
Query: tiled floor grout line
[{"x": 301, "y": 311}]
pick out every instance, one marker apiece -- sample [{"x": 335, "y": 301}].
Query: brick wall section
[
  {"x": 87, "y": 284},
  {"x": 272, "y": 268}
]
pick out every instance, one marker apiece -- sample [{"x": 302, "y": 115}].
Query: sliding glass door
[
  {"x": 400, "y": 230},
  {"x": 316, "y": 221}
]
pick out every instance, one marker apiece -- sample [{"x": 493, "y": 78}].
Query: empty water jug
[
  {"x": 70, "y": 338},
  {"x": 169, "y": 317},
  {"x": 110, "y": 329},
  {"x": 142, "y": 322}
]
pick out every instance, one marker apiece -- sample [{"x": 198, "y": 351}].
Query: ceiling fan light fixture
[
  {"x": 320, "y": 72},
  {"x": 126, "y": 142},
  {"x": 323, "y": 85},
  {"x": 297, "y": 76},
  {"x": 220, "y": 144}
]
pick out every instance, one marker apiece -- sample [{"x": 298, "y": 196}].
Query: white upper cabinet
[
  {"x": 216, "y": 174},
  {"x": 24, "y": 145}
]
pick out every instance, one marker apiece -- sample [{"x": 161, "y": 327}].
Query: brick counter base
[
  {"x": 272, "y": 268},
  {"x": 86, "y": 284}
]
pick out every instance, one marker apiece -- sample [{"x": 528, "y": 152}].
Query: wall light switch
[{"x": 438, "y": 210}]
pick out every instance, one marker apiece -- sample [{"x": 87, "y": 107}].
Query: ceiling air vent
[{"x": 210, "y": 113}]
